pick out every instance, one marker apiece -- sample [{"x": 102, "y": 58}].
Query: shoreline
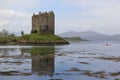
[
  {"x": 36, "y": 43},
  {"x": 35, "y": 39}
]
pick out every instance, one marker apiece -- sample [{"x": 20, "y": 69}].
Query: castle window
[{"x": 44, "y": 28}]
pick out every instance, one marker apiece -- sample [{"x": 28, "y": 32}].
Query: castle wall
[{"x": 43, "y": 23}]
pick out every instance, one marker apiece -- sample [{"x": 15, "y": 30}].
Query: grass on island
[
  {"x": 7, "y": 39},
  {"x": 34, "y": 37}
]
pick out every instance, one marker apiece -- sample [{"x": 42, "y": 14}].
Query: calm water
[{"x": 77, "y": 61}]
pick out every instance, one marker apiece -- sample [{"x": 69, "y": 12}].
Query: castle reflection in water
[
  {"x": 43, "y": 61},
  {"x": 27, "y": 61},
  {"x": 43, "y": 65}
]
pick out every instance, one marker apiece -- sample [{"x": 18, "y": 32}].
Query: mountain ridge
[{"x": 91, "y": 35}]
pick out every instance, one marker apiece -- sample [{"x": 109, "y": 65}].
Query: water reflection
[
  {"x": 43, "y": 61},
  {"x": 70, "y": 62},
  {"x": 43, "y": 65},
  {"x": 6, "y": 51},
  {"x": 27, "y": 61}
]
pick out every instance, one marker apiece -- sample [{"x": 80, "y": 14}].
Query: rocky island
[
  {"x": 39, "y": 39},
  {"x": 43, "y": 32}
]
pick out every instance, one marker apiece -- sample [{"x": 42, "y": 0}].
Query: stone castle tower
[{"x": 43, "y": 23}]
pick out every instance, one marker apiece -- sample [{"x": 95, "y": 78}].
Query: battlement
[
  {"x": 44, "y": 13},
  {"x": 43, "y": 23}
]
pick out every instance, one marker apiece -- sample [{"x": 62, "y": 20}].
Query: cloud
[
  {"x": 14, "y": 21},
  {"x": 6, "y": 13},
  {"x": 2, "y": 23},
  {"x": 101, "y": 8},
  {"x": 96, "y": 15},
  {"x": 15, "y": 15},
  {"x": 78, "y": 15},
  {"x": 21, "y": 5}
]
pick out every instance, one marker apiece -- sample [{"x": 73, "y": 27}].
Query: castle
[{"x": 43, "y": 23}]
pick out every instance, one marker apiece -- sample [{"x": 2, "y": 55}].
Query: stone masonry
[{"x": 43, "y": 23}]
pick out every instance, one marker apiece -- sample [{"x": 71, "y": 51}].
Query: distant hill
[
  {"x": 115, "y": 37},
  {"x": 91, "y": 35}
]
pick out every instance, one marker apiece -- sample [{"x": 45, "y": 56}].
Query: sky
[{"x": 101, "y": 16}]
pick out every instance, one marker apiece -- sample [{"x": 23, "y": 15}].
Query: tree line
[{"x": 6, "y": 36}]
